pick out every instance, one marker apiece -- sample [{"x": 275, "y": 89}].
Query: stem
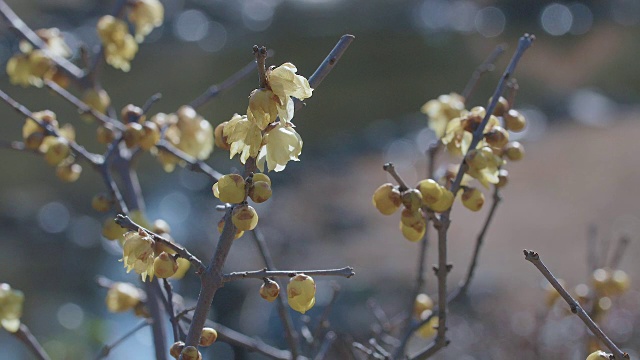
[
  {"x": 464, "y": 286},
  {"x": 618, "y": 253},
  {"x": 260, "y": 53},
  {"x": 346, "y": 272},
  {"x": 26, "y": 337},
  {"x": 152, "y": 288},
  {"x": 289, "y": 331},
  {"x": 169, "y": 307},
  {"x": 388, "y": 167},
  {"x": 215, "y": 90},
  {"x": 487, "y": 66},
  {"x": 534, "y": 258},
  {"x": 104, "y": 352}
]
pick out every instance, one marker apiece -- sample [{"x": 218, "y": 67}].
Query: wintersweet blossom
[
  {"x": 282, "y": 144},
  {"x": 138, "y": 253},
  {"x": 119, "y": 45},
  {"x": 285, "y": 84},
  {"x": 122, "y": 297},
  {"x": 11, "y": 301},
  {"x": 442, "y": 110},
  {"x": 459, "y": 131},
  {"x": 244, "y": 136},
  {"x": 146, "y": 15}
]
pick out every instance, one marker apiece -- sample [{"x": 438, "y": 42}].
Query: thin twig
[
  {"x": 260, "y": 274},
  {"x": 329, "y": 338},
  {"x": 26, "y": 337},
  {"x": 618, "y": 253},
  {"x": 126, "y": 222},
  {"x": 289, "y": 331},
  {"x": 193, "y": 164},
  {"x": 169, "y": 308},
  {"x": 215, "y": 90},
  {"x": 150, "y": 101},
  {"x": 369, "y": 352},
  {"x": 534, "y": 258},
  {"x": 82, "y": 107},
  {"x": 464, "y": 285},
  {"x": 260, "y": 52},
  {"x": 104, "y": 352},
  {"x": 330, "y": 61},
  {"x": 487, "y": 66},
  {"x": 388, "y": 167},
  {"x": 322, "y": 320}
]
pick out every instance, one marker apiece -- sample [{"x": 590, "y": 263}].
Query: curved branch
[{"x": 346, "y": 272}]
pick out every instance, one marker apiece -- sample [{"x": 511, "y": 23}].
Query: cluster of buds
[
  {"x": 257, "y": 134},
  {"x": 301, "y": 293},
  {"x": 186, "y": 130},
  {"x": 98, "y": 99},
  {"x": 32, "y": 66},
  {"x": 11, "y": 301},
  {"x": 147, "y": 257},
  {"x": 234, "y": 189},
  {"x": 56, "y": 149},
  {"x": 207, "y": 338},
  {"x": 139, "y": 132},
  {"x": 428, "y": 195}
]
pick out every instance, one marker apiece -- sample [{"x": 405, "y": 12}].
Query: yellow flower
[
  {"x": 10, "y": 307},
  {"x": 443, "y": 110},
  {"x": 122, "y": 297},
  {"x": 146, "y": 15},
  {"x": 489, "y": 173},
  {"x": 282, "y": 144},
  {"x": 119, "y": 46},
  {"x": 263, "y": 107},
  {"x": 54, "y": 40},
  {"x": 301, "y": 293},
  {"x": 137, "y": 253},
  {"x": 96, "y": 98},
  {"x": 284, "y": 83},
  {"x": 29, "y": 69},
  {"x": 459, "y": 131},
  {"x": 196, "y": 133},
  {"x": 244, "y": 136}
]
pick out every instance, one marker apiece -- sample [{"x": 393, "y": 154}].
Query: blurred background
[{"x": 580, "y": 88}]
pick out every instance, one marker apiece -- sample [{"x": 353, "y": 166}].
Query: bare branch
[
  {"x": 193, "y": 164},
  {"x": 487, "y": 66},
  {"x": 215, "y": 90},
  {"x": 259, "y": 274},
  {"x": 104, "y": 352},
  {"x": 388, "y": 167},
  {"x": 26, "y": 337},
  {"x": 534, "y": 258},
  {"x": 330, "y": 61}
]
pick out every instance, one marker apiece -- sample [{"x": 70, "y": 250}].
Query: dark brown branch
[
  {"x": 534, "y": 258},
  {"x": 104, "y": 352},
  {"x": 168, "y": 305},
  {"x": 289, "y": 331},
  {"x": 260, "y": 52},
  {"x": 154, "y": 293},
  {"x": 215, "y": 90},
  {"x": 487, "y": 66},
  {"x": 346, "y": 272},
  {"x": 125, "y": 222},
  {"x": 26, "y": 337}
]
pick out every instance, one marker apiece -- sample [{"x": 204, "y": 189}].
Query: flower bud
[
  {"x": 414, "y": 232},
  {"x": 503, "y": 178},
  {"x": 105, "y": 134},
  {"x": 176, "y": 349},
  {"x": 301, "y": 292},
  {"x": 269, "y": 290},
  {"x": 261, "y": 177},
  {"x": 422, "y": 303},
  {"x": 131, "y": 114},
  {"x": 410, "y": 218},
  {"x": 208, "y": 336},
  {"x": 599, "y": 355},
  {"x": 101, "y": 202},
  {"x": 260, "y": 191},
  {"x": 220, "y": 139},
  {"x": 161, "y": 227},
  {"x": 68, "y": 172},
  {"x": 111, "y": 230},
  {"x": 472, "y": 199},
  {"x": 133, "y": 133},
  {"x": 150, "y": 135},
  {"x": 230, "y": 189},
  {"x": 445, "y": 202},
  {"x": 191, "y": 353},
  {"x": 387, "y": 199},
  {"x": 497, "y": 137},
  {"x": 514, "y": 121},
  {"x": 244, "y": 217},
  {"x": 430, "y": 328},
  {"x": 514, "y": 151},
  {"x": 58, "y": 151},
  {"x": 412, "y": 199},
  {"x": 239, "y": 232},
  {"x": 502, "y": 106},
  {"x": 164, "y": 265}
]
